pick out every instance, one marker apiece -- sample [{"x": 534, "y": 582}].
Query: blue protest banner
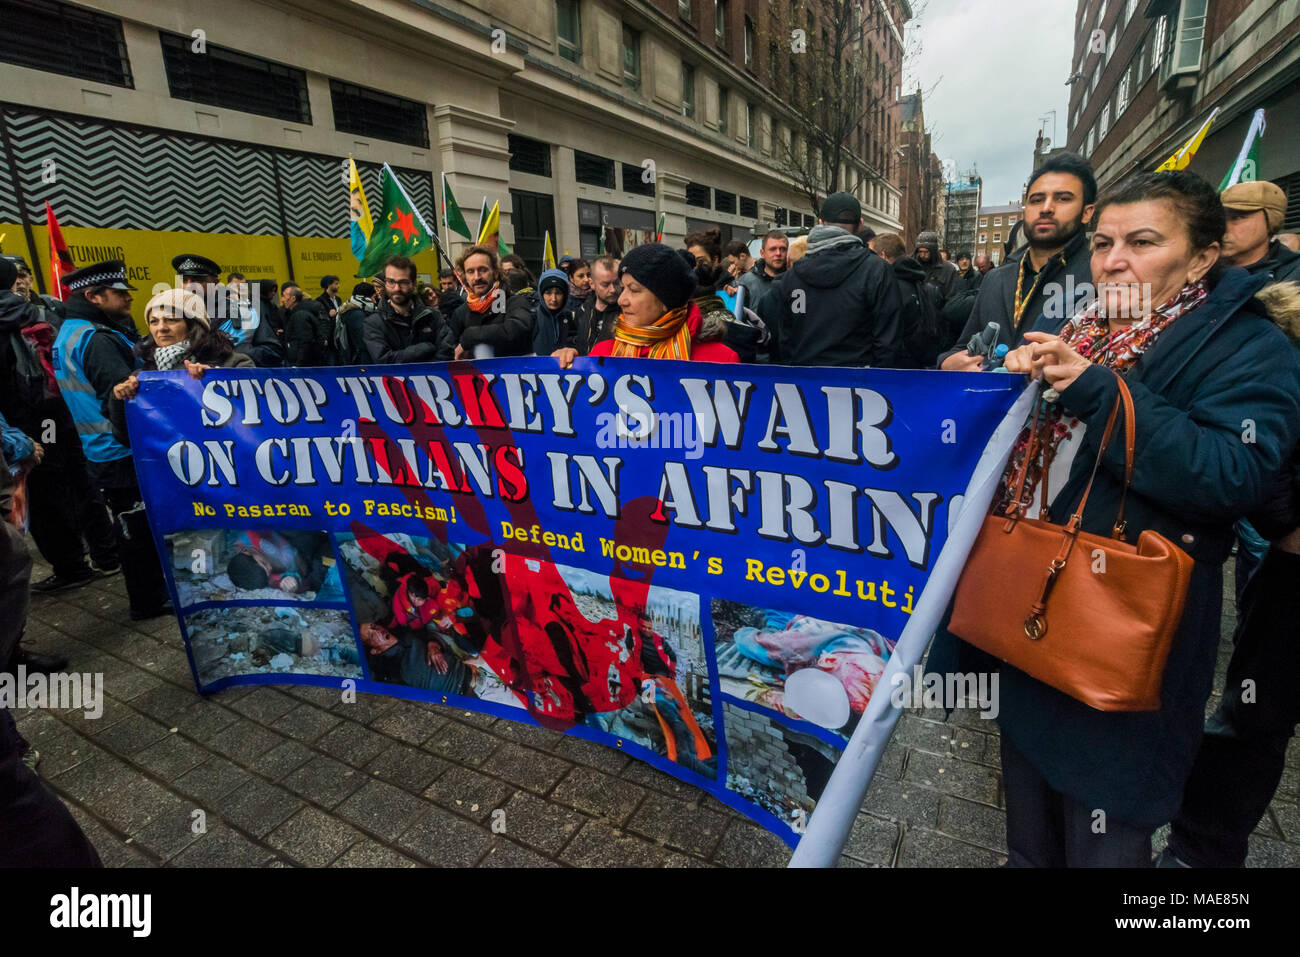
[{"x": 706, "y": 566}]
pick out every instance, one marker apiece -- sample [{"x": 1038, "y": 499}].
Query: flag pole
[{"x": 1257, "y": 127}]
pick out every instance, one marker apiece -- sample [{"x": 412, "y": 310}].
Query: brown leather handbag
[{"x": 1093, "y": 617}]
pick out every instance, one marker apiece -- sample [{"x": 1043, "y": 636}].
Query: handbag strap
[{"x": 1123, "y": 400}]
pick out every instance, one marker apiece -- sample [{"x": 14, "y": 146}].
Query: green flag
[
  {"x": 400, "y": 230},
  {"x": 451, "y": 214},
  {"x": 502, "y": 249},
  {"x": 1246, "y": 168}
]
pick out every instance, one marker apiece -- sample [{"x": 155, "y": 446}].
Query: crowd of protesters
[{"x": 1208, "y": 345}]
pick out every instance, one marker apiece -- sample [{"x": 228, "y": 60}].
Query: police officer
[
  {"x": 234, "y": 313},
  {"x": 94, "y": 352}
]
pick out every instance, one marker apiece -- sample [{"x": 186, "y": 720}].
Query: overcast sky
[{"x": 999, "y": 66}]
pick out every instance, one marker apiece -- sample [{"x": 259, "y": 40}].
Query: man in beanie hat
[
  {"x": 939, "y": 273},
  {"x": 1256, "y": 211},
  {"x": 658, "y": 319},
  {"x": 839, "y": 304},
  {"x": 95, "y": 352}
]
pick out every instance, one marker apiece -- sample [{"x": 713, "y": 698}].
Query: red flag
[{"x": 60, "y": 259}]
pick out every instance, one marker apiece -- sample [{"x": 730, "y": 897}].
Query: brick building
[
  {"x": 920, "y": 182},
  {"x": 1147, "y": 73},
  {"x": 994, "y": 229}
]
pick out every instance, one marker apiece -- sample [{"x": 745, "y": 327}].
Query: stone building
[{"x": 587, "y": 119}]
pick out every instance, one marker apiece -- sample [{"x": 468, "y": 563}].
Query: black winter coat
[
  {"x": 508, "y": 333},
  {"x": 422, "y": 336},
  {"x": 1065, "y": 288},
  {"x": 923, "y": 337},
  {"x": 1194, "y": 477},
  {"x": 307, "y": 334},
  {"x": 836, "y": 307},
  {"x": 590, "y": 326},
  {"x": 1279, "y": 264}
]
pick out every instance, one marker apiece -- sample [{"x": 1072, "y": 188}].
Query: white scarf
[{"x": 170, "y": 357}]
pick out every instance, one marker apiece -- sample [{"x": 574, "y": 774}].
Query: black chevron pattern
[
  {"x": 122, "y": 178},
  {"x": 9, "y": 212},
  {"x": 117, "y": 177}
]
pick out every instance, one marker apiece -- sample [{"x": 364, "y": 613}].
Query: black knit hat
[
  {"x": 661, "y": 270},
  {"x": 326, "y": 280},
  {"x": 8, "y": 274}
]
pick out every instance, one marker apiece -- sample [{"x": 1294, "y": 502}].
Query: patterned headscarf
[{"x": 1090, "y": 335}]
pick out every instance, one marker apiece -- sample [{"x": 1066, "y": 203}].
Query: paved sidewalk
[{"x": 294, "y": 776}]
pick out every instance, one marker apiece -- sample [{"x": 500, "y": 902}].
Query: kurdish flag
[
  {"x": 1184, "y": 155},
  {"x": 490, "y": 233},
  {"x": 1246, "y": 169},
  {"x": 659, "y": 232},
  {"x": 548, "y": 253},
  {"x": 401, "y": 230},
  {"x": 360, "y": 224},
  {"x": 452, "y": 217}
]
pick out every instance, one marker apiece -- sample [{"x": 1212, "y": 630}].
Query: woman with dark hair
[
  {"x": 579, "y": 273},
  {"x": 181, "y": 336},
  {"x": 706, "y": 248},
  {"x": 1203, "y": 361},
  {"x": 658, "y": 320}
]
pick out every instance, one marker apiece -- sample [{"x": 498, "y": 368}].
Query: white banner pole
[{"x": 832, "y": 819}]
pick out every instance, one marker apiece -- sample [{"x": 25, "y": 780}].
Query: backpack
[{"x": 33, "y": 372}]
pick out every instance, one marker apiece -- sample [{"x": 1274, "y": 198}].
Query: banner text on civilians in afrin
[{"x": 703, "y": 566}]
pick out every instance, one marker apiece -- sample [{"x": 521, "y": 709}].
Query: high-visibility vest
[{"x": 95, "y": 431}]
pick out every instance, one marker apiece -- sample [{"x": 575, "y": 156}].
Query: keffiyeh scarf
[{"x": 171, "y": 357}]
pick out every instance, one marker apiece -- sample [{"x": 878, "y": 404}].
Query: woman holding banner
[
  {"x": 658, "y": 319},
  {"x": 1216, "y": 393}
]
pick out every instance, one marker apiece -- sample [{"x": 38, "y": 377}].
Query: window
[
  {"x": 772, "y": 59},
  {"x": 61, "y": 38},
  {"x": 688, "y": 91},
  {"x": 724, "y": 202},
  {"x": 997, "y": 237},
  {"x": 1104, "y": 127},
  {"x": 1188, "y": 37},
  {"x": 593, "y": 170},
  {"x": 234, "y": 80},
  {"x": 1096, "y": 75},
  {"x": 684, "y": 9},
  {"x": 997, "y": 220},
  {"x": 381, "y": 115},
  {"x": 697, "y": 194},
  {"x": 1101, "y": 12},
  {"x": 568, "y": 30},
  {"x": 631, "y": 58},
  {"x": 749, "y": 207},
  {"x": 984, "y": 223},
  {"x": 779, "y": 216},
  {"x": 724, "y": 107},
  {"x": 1121, "y": 95},
  {"x": 1129, "y": 7},
  {"x": 984, "y": 237},
  {"x": 529, "y": 156},
  {"x": 1092, "y": 139},
  {"x": 636, "y": 181},
  {"x": 749, "y": 42},
  {"x": 720, "y": 21},
  {"x": 749, "y": 124},
  {"x": 1158, "y": 44}
]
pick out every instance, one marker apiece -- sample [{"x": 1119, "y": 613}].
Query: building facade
[
  {"x": 921, "y": 183},
  {"x": 994, "y": 230},
  {"x": 587, "y": 119},
  {"x": 961, "y": 202},
  {"x": 1147, "y": 74}
]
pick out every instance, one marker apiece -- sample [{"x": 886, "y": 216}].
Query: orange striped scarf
[
  {"x": 668, "y": 337},
  {"x": 481, "y": 305}
]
